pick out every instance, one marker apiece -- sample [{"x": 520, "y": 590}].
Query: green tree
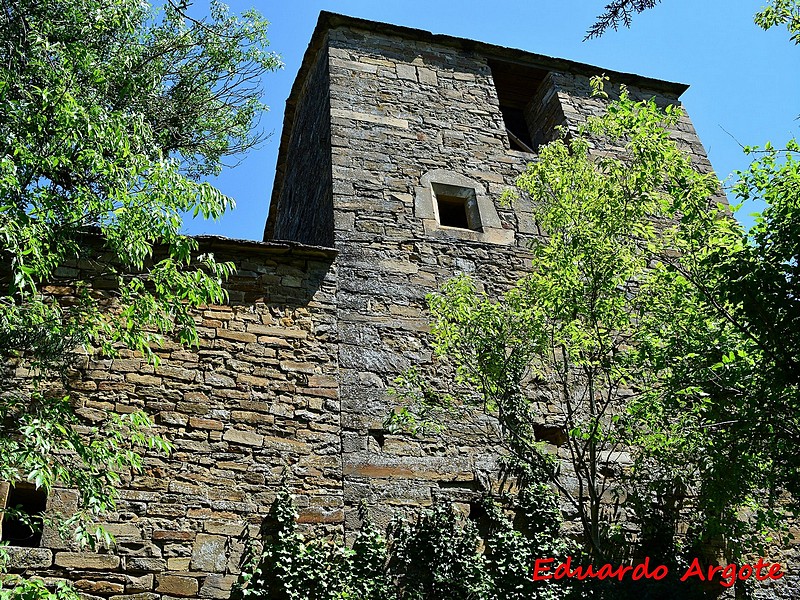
[
  {"x": 760, "y": 283},
  {"x": 111, "y": 113},
  {"x": 753, "y": 290},
  {"x": 634, "y": 324},
  {"x": 738, "y": 360}
]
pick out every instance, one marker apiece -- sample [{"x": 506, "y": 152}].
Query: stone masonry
[
  {"x": 259, "y": 395},
  {"x": 293, "y": 373}
]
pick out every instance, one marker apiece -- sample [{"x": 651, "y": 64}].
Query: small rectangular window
[
  {"x": 452, "y": 211},
  {"x": 31, "y": 502},
  {"x": 456, "y": 206}
]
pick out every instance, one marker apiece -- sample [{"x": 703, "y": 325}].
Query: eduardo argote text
[{"x": 727, "y": 576}]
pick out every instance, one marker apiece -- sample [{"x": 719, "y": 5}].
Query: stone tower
[{"x": 396, "y": 147}]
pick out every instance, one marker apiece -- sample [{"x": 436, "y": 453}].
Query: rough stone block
[
  {"x": 177, "y": 585},
  {"x": 254, "y": 381},
  {"x": 137, "y": 379},
  {"x": 86, "y": 560},
  {"x": 28, "y": 558},
  {"x": 224, "y": 528},
  {"x": 208, "y": 553},
  {"x": 323, "y": 381},
  {"x": 142, "y": 596},
  {"x": 177, "y": 373},
  {"x": 175, "y": 536},
  {"x": 169, "y": 417},
  {"x": 406, "y": 71},
  {"x": 166, "y": 510},
  {"x": 218, "y": 380},
  {"x": 99, "y": 587},
  {"x": 237, "y": 336},
  {"x": 137, "y": 548},
  {"x": 217, "y": 586},
  {"x": 60, "y": 501},
  {"x": 427, "y": 76},
  {"x": 178, "y": 563},
  {"x": 146, "y": 564},
  {"x": 212, "y": 424},
  {"x": 298, "y": 367},
  {"x": 285, "y": 444},
  {"x": 142, "y": 583},
  {"x": 280, "y": 332},
  {"x": 246, "y": 438}
]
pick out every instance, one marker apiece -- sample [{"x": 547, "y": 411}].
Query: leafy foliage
[
  {"x": 288, "y": 567},
  {"x": 653, "y": 322},
  {"x": 781, "y": 12},
  {"x": 736, "y": 361},
  {"x": 35, "y": 589},
  {"x": 435, "y": 556},
  {"x": 110, "y": 114},
  {"x": 731, "y": 366},
  {"x": 513, "y": 546}
]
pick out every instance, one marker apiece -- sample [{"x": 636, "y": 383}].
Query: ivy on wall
[{"x": 440, "y": 554}]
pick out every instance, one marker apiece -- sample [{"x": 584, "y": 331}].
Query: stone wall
[
  {"x": 295, "y": 371},
  {"x": 301, "y": 204},
  {"x": 405, "y": 113},
  {"x": 400, "y": 110},
  {"x": 259, "y": 395}
]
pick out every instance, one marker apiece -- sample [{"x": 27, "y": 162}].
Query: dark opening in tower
[
  {"x": 457, "y": 206},
  {"x": 516, "y": 86}
]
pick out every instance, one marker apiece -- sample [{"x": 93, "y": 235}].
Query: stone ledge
[
  {"x": 28, "y": 558},
  {"x": 86, "y": 560}
]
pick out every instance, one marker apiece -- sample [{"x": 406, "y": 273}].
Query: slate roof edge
[
  {"x": 328, "y": 20},
  {"x": 218, "y": 242}
]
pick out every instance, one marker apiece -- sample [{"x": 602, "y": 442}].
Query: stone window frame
[
  {"x": 465, "y": 197},
  {"x": 482, "y": 211}
]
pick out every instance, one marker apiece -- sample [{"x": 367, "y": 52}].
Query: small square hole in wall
[
  {"x": 456, "y": 206},
  {"x": 30, "y": 501}
]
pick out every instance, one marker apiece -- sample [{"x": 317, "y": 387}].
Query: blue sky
[{"x": 744, "y": 84}]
